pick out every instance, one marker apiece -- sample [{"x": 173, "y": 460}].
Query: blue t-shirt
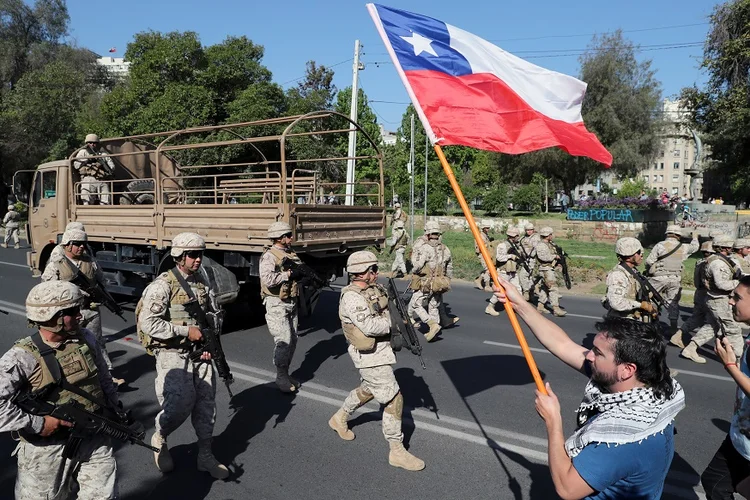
[{"x": 634, "y": 471}]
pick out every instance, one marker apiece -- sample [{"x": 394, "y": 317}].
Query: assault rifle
[
  {"x": 97, "y": 293},
  {"x": 647, "y": 291},
  {"x": 564, "y": 263},
  {"x": 521, "y": 254},
  {"x": 86, "y": 424},
  {"x": 402, "y": 324},
  {"x": 98, "y": 158},
  {"x": 306, "y": 271}
]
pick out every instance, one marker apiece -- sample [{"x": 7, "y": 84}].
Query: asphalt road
[{"x": 470, "y": 415}]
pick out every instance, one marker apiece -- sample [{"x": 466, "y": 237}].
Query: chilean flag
[{"x": 469, "y": 92}]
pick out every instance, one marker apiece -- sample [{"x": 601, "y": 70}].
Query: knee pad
[
  {"x": 396, "y": 406},
  {"x": 364, "y": 395}
]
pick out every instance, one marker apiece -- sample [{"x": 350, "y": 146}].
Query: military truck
[{"x": 226, "y": 182}]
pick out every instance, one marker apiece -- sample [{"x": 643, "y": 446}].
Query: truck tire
[{"x": 136, "y": 195}]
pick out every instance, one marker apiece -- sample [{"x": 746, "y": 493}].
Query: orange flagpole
[{"x": 491, "y": 266}]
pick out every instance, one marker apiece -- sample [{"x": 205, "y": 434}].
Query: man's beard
[{"x": 603, "y": 380}]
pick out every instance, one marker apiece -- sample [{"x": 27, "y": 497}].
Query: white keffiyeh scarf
[{"x": 622, "y": 417}]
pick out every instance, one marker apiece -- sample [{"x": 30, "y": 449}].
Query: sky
[{"x": 550, "y": 33}]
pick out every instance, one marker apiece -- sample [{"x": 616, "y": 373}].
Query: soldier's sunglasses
[
  {"x": 71, "y": 311},
  {"x": 374, "y": 268},
  {"x": 194, "y": 254},
  {"x": 78, "y": 243},
  {"x": 287, "y": 235}
]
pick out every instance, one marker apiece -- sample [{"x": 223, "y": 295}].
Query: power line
[
  {"x": 637, "y": 50},
  {"x": 637, "y": 47},
  {"x": 328, "y": 67},
  {"x": 370, "y": 101},
  {"x": 640, "y": 30}
]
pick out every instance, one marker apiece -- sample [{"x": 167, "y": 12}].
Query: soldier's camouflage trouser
[
  {"x": 524, "y": 278},
  {"x": 38, "y": 466},
  {"x": 399, "y": 264},
  {"x": 11, "y": 232},
  {"x": 184, "y": 389},
  {"x": 91, "y": 187},
  {"x": 719, "y": 318},
  {"x": 547, "y": 288},
  {"x": 670, "y": 289},
  {"x": 513, "y": 279},
  {"x": 417, "y": 310},
  {"x": 379, "y": 383},
  {"x": 698, "y": 318},
  {"x": 92, "y": 320},
  {"x": 282, "y": 320},
  {"x": 485, "y": 275}
]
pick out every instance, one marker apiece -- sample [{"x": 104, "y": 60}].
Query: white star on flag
[{"x": 420, "y": 44}]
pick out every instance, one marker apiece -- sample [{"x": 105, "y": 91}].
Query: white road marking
[
  {"x": 14, "y": 264},
  {"x": 583, "y": 316},
  {"x": 680, "y": 370}
]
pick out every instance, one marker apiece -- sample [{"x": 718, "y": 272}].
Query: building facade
[{"x": 117, "y": 66}]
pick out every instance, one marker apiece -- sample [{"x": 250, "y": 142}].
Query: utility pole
[
  {"x": 546, "y": 198},
  {"x": 353, "y": 132},
  {"x": 411, "y": 177},
  {"x": 426, "y": 152}
]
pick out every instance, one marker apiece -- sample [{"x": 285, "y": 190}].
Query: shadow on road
[
  {"x": 332, "y": 347},
  {"x": 689, "y": 478},
  {"x": 721, "y": 424}
]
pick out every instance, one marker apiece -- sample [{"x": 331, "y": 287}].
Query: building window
[
  {"x": 675, "y": 177},
  {"x": 675, "y": 190},
  {"x": 645, "y": 178},
  {"x": 661, "y": 178},
  {"x": 676, "y": 165},
  {"x": 661, "y": 153},
  {"x": 676, "y": 153},
  {"x": 661, "y": 166},
  {"x": 686, "y": 154},
  {"x": 655, "y": 165}
]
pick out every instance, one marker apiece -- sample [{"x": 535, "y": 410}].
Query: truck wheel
[{"x": 138, "y": 197}]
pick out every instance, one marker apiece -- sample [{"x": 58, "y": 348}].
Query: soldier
[
  {"x": 94, "y": 171},
  {"x": 54, "y": 308},
  {"x": 664, "y": 267},
  {"x": 10, "y": 221},
  {"x": 547, "y": 260},
  {"x": 398, "y": 242},
  {"x": 528, "y": 243},
  {"x": 398, "y": 214},
  {"x": 720, "y": 277},
  {"x": 429, "y": 226},
  {"x": 698, "y": 318},
  {"x": 624, "y": 289},
  {"x": 279, "y": 290},
  {"x": 65, "y": 265},
  {"x": 741, "y": 253},
  {"x": 367, "y": 326},
  {"x": 433, "y": 269},
  {"x": 184, "y": 387},
  {"x": 507, "y": 265},
  {"x": 59, "y": 251},
  {"x": 484, "y": 280}
]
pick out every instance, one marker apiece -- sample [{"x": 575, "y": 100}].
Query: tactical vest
[
  {"x": 377, "y": 303},
  {"x": 286, "y": 290},
  {"x": 510, "y": 266},
  {"x": 92, "y": 166},
  {"x": 430, "y": 280},
  {"x": 668, "y": 266},
  {"x": 67, "y": 268},
  {"x": 401, "y": 217},
  {"x": 77, "y": 365},
  {"x": 742, "y": 263},
  {"x": 634, "y": 289},
  {"x": 176, "y": 314},
  {"x": 401, "y": 241},
  {"x": 708, "y": 282},
  {"x": 700, "y": 269},
  {"x": 529, "y": 242},
  {"x": 547, "y": 263}
]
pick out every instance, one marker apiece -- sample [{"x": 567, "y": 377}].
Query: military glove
[
  {"x": 295, "y": 274},
  {"x": 647, "y": 307}
]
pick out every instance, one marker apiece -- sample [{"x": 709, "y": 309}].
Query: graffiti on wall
[{"x": 601, "y": 214}]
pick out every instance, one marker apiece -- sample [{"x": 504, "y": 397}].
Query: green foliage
[
  {"x": 366, "y": 169},
  {"x": 496, "y": 200},
  {"x": 528, "y": 197},
  {"x": 721, "y": 109},
  {"x": 632, "y": 189}
]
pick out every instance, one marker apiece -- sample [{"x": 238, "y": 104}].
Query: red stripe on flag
[{"x": 481, "y": 111}]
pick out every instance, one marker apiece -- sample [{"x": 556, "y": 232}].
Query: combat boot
[
  {"x": 16, "y": 246},
  {"x": 691, "y": 353},
  {"x": 284, "y": 382},
  {"x": 162, "y": 458},
  {"x": 434, "y": 329},
  {"x": 559, "y": 311},
  {"x": 490, "y": 309},
  {"x": 540, "y": 307},
  {"x": 338, "y": 424},
  {"x": 676, "y": 339},
  {"x": 478, "y": 283},
  {"x": 6, "y": 246},
  {"x": 399, "y": 457},
  {"x": 208, "y": 463}
]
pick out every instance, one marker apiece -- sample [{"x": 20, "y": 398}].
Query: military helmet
[
  {"x": 528, "y": 227},
  {"x": 674, "y": 229},
  {"x": 397, "y": 205},
  {"x": 485, "y": 225},
  {"x": 545, "y": 231},
  {"x": 432, "y": 227},
  {"x": 48, "y": 298},
  {"x": 75, "y": 225},
  {"x": 399, "y": 224},
  {"x": 628, "y": 246},
  {"x": 741, "y": 243},
  {"x": 278, "y": 229},
  {"x": 184, "y": 242},
  {"x": 723, "y": 241},
  {"x": 73, "y": 235},
  {"x": 706, "y": 246},
  {"x": 11, "y": 207},
  {"x": 92, "y": 138},
  {"x": 359, "y": 262},
  {"x": 512, "y": 231}
]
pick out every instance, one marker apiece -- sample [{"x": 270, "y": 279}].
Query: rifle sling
[
  {"x": 189, "y": 291},
  {"x": 50, "y": 361},
  {"x": 642, "y": 280},
  {"x": 662, "y": 257}
]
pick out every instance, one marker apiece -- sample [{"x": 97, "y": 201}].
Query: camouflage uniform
[
  {"x": 93, "y": 174},
  {"x": 10, "y": 221},
  {"x": 184, "y": 388},
  {"x": 622, "y": 290},
  {"x": 433, "y": 259},
  {"x": 398, "y": 215},
  {"x": 60, "y": 267},
  {"x": 398, "y": 242},
  {"x": 719, "y": 281},
  {"x": 528, "y": 243},
  {"x": 484, "y": 280},
  {"x": 366, "y": 322},
  {"x": 665, "y": 273},
  {"x": 39, "y": 458},
  {"x": 698, "y": 317},
  {"x": 507, "y": 268},
  {"x": 742, "y": 261},
  {"x": 546, "y": 257}
]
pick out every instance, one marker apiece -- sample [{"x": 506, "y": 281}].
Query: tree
[
  {"x": 721, "y": 110},
  {"x": 368, "y": 169},
  {"x": 315, "y": 92}
]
